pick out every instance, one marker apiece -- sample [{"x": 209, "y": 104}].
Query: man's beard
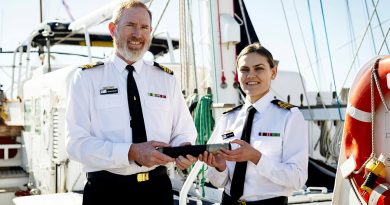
[{"x": 126, "y": 53}]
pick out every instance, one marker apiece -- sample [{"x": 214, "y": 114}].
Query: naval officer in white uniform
[
  {"x": 271, "y": 160},
  {"x": 120, "y": 110}
]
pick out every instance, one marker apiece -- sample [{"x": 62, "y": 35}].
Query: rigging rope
[
  {"x": 67, "y": 9},
  {"x": 331, "y": 63},
  {"x": 384, "y": 41},
  {"x": 150, "y": 3},
  {"x": 334, "y": 146},
  {"x": 330, "y": 145},
  {"x": 380, "y": 25},
  {"x": 296, "y": 61},
  {"x": 372, "y": 34},
  {"x": 192, "y": 47},
  {"x": 360, "y": 45},
  {"x": 213, "y": 50},
  {"x": 223, "y": 78},
  {"x": 314, "y": 39},
  {"x": 351, "y": 30},
  {"x": 308, "y": 58},
  {"x": 204, "y": 123},
  {"x": 201, "y": 33},
  {"x": 161, "y": 16},
  {"x": 245, "y": 23}
]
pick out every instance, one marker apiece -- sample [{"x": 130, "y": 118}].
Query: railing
[
  {"x": 6, "y": 161},
  {"x": 7, "y": 147}
]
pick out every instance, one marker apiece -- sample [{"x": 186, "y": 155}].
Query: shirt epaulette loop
[
  {"x": 165, "y": 69},
  {"x": 282, "y": 104},
  {"x": 233, "y": 109},
  {"x": 91, "y": 65}
]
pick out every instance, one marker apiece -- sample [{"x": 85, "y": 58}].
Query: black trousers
[
  {"x": 281, "y": 200},
  {"x": 126, "y": 190}
]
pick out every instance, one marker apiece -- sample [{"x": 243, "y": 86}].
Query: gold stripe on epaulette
[
  {"x": 163, "y": 68},
  {"x": 233, "y": 109},
  {"x": 282, "y": 104},
  {"x": 91, "y": 65}
]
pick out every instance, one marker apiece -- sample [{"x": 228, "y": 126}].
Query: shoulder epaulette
[
  {"x": 282, "y": 104},
  {"x": 91, "y": 65},
  {"x": 165, "y": 69},
  {"x": 233, "y": 109}
]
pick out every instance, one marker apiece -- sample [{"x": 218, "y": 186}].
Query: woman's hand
[{"x": 213, "y": 160}]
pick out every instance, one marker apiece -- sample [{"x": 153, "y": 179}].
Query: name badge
[
  {"x": 228, "y": 134},
  {"x": 108, "y": 90}
]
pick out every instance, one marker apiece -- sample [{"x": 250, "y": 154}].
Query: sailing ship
[{"x": 34, "y": 162}]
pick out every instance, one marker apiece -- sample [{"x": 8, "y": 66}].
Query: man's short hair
[{"x": 118, "y": 11}]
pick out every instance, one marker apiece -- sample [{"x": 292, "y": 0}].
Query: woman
[{"x": 271, "y": 158}]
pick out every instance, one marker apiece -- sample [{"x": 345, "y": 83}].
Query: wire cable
[
  {"x": 360, "y": 45},
  {"x": 308, "y": 58},
  {"x": 161, "y": 16},
  {"x": 296, "y": 61},
  {"x": 313, "y": 34},
  {"x": 331, "y": 62},
  {"x": 384, "y": 41},
  {"x": 372, "y": 34},
  {"x": 351, "y": 30},
  {"x": 380, "y": 26},
  {"x": 213, "y": 51}
]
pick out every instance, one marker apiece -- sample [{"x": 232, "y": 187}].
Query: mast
[{"x": 222, "y": 33}]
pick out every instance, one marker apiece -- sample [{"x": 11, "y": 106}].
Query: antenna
[
  {"x": 1, "y": 30},
  {"x": 40, "y": 12}
]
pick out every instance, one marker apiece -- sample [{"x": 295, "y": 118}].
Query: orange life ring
[{"x": 357, "y": 129}]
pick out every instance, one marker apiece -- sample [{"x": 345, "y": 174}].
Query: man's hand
[
  {"x": 184, "y": 162},
  {"x": 146, "y": 154}
]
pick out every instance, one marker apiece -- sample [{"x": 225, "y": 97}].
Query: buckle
[
  {"x": 241, "y": 202},
  {"x": 141, "y": 177}
]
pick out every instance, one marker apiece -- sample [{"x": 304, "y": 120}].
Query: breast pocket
[
  {"x": 158, "y": 118},
  {"x": 157, "y": 103},
  {"x": 270, "y": 146},
  {"x": 111, "y": 112}
]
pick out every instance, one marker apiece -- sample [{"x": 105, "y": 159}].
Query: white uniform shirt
[
  {"x": 98, "y": 125},
  {"x": 283, "y": 165}
]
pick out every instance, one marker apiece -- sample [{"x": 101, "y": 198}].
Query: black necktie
[
  {"x": 237, "y": 186},
  {"x": 137, "y": 123}
]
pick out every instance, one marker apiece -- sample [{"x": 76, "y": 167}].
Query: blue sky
[{"x": 19, "y": 17}]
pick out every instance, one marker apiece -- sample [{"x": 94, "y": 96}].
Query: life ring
[{"x": 357, "y": 127}]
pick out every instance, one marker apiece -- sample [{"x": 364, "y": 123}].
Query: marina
[{"x": 323, "y": 78}]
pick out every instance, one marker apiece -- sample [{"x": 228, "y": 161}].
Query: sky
[{"x": 19, "y": 17}]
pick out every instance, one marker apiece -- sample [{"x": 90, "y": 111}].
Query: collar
[
  {"x": 261, "y": 104},
  {"x": 121, "y": 64}
]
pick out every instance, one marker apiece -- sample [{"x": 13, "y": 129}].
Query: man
[{"x": 120, "y": 111}]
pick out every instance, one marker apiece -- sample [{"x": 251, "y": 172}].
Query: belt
[
  {"x": 280, "y": 200},
  {"x": 139, "y": 177}
]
